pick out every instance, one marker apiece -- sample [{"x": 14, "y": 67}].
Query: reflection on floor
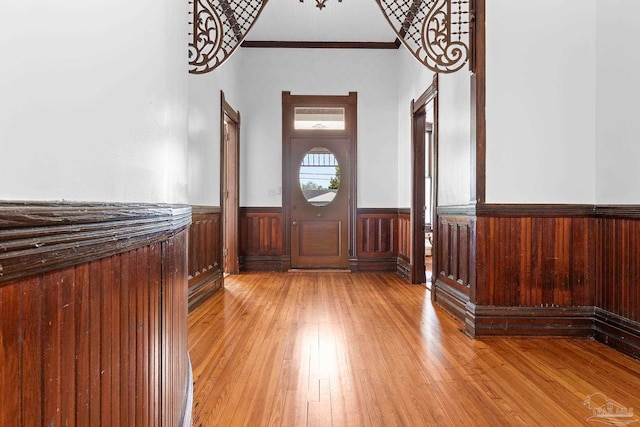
[{"x": 369, "y": 349}]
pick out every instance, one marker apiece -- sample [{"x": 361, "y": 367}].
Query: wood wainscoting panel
[
  {"x": 205, "y": 256},
  {"x": 376, "y": 240},
  {"x": 617, "y": 295},
  {"x": 536, "y": 261},
  {"x": 455, "y": 257},
  {"x": 618, "y": 249},
  {"x": 404, "y": 243},
  {"x": 94, "y": 340},
  {"x": 260, "y": 239}
]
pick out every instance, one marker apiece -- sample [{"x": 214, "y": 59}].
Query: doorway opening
[
  {"x": 424, "y": 163},
  {"x": 229, "y": 185},
  {"x": 318, "y": 180}
]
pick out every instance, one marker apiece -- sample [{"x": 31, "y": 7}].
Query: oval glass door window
[{"x": 319, "y": 176}]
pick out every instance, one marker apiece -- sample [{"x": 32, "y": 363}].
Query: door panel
[
  {"x": 319, "y": 238},
  {"x": 319, "y": 230}
]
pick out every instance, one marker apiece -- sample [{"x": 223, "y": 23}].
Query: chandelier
[
  {"x": 321, "y": 4},
  {"x": 437, "y": 32}
]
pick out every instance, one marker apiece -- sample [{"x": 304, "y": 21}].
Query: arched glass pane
[{"x": 319, "y": 176}]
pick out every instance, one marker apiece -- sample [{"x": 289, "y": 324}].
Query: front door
[
  {"x": 318, "y": 179},
  {"x": 320, "y": 202}
]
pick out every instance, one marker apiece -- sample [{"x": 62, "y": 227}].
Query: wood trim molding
[
  {"x": 37, "y": 237},
  {"x": 457, "y": 210},
  {"x": 267, "y": 44},
  {"x": 534, "y": 210},
  {"x": 378, "y": 211},
  {"x": 618, "y": 211},
  {"x": 531, "y": 321},
  {"x": 260, "y": 210},
  {"x": 477, "y": 103},
  {"x": 618, "y": 332},
  {"x": 545, "y": 210},
  {"x": 451, "y": 299},
  {"x": 203, "y": 210}
]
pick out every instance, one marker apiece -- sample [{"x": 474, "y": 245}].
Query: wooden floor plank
[{"x": 367, "y": 349}]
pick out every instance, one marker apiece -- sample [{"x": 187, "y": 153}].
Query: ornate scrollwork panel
[
  {"x": 218, "y": 28},
  {"x": 436, "y": 32}
]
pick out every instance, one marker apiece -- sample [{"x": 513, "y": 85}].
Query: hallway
[{"x": 296, "y": 349}]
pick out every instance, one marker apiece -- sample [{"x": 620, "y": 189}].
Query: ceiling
[{"x": 346, "y": 21}]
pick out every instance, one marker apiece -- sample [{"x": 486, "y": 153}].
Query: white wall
[
  {"x": 541, "y": 102},
  {"x": 413, "y": 79},
  {"x": 204, "y": 128},
  {"x": 268, "y": 72},
  {"x": 454, "y": 139},
  {"x": 93, "y": 100},
  {"x": 618, "y": 95}
]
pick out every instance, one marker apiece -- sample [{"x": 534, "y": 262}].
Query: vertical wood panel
[
  {"x": 67, "y": 348},
  {"x": 260, "y": 238},
  {"x": 52, "y": 349},
  {"x": 205, "y": 257},
  {"x": 618, "y": 279},
  {"x": 530, "y": 261},
  {"x": 455, "y": 247},
  {"x": 376, "y": 234},
  {"x": 404, "y": 235},
  {"x": 82, "y": 324},
  {"x": 95, "y": 303},
  {"x": 31, "y": 356},
  {"x": 91, "y": 345},
  {"x": 10, "y": 354}
]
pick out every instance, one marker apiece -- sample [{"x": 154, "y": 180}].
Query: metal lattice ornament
[
  {"x": 436, "y": 32},
  {"x": 321, "y": 4},
  {"x": 219, "y": 26}
]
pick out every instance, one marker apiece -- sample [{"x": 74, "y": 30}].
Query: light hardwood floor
[{"x": 323, "y": 349}]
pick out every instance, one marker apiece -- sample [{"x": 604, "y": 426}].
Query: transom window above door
[{"x": 319, "y": 118}]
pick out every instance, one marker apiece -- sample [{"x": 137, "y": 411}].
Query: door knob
[{"x": 294, "y": 223}]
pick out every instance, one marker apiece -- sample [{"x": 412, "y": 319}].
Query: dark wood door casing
[
  {"x": 419, "y": 147},
  {"x": 229, "y": 185},
  {"x": 290, "y": 170}
]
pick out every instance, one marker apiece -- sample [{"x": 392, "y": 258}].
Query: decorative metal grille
[
  {"x": 435, "y": 31},
  {"x": 219, "y": 26}
]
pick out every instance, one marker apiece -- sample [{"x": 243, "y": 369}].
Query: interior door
[
  {"x": 319, "y": 212},
  {"x": 230, "y": 166}
]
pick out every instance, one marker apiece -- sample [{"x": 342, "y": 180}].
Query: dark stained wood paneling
[
  {"x": 535, "y": 261},
  {"x": 96, "y": 343},
  {"x": 537, "y": 264},
  {"x": 618, "y": 252},
  {"x": 319, "y": 45},
  {"x": 376, "y": 240},
  {"x": 377, "y": 234},
  {"x": 40, "y": 237},
  {"x": 260, "y": 238},
  {"x": 404, "y": 235},
  {"x": 174, "y": 368},
  {"x": 205, "y": 256},
  {"x": 455, "y": 246},
  {"x": 404, "y": 243},
  {"x": 533, "y": 321}
]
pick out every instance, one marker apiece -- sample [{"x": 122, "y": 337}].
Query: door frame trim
[
  {"x": 418, "y": 147},
  {"x": 227, "y": 110},
  {"x": 350, "y": 104}
]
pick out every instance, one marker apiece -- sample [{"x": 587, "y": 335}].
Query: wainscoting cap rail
[{"x": 36, "y": 237}]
